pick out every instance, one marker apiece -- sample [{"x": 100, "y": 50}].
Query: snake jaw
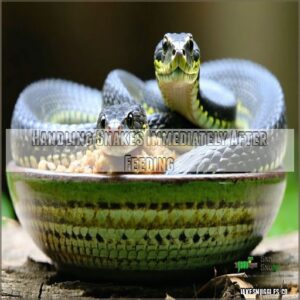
[{"x": 178, "y": 69}]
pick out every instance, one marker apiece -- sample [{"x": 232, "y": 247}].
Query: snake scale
[{"x": 230, "y": 93}]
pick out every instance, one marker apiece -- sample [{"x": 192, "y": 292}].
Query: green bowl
[{"x": 105, "y": 225}]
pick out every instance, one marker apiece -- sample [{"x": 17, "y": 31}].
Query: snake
[{"x": 220, "y": 94}]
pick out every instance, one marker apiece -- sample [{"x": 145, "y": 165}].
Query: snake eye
[
  {"x": 102, "y": 121},
  {"x": 158, "y": 55},
  {"x": 191, "y": 44},
  {"x": 196, "y": 55},
  {"x": 130, "y": 120},
  {"x": 165, "y": 44}
]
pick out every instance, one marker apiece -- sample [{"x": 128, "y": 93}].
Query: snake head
[
  {"x": 177, "y": 57},
  {"x": 122, "y": 117},
  {"x": 120, "y": 126}
]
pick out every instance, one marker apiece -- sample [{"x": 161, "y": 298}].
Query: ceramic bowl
[{"x": 105, "y": 225}]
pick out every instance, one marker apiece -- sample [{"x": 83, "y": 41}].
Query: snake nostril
[
  {"x": 174, "y": 52},
  {"x": 183, "y": 51}
]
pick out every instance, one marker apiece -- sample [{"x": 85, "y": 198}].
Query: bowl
[{"x": 128, "y": 226}]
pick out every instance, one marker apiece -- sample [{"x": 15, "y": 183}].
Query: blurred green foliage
[
  {"x": 7, "y": 209},
  {"x": 287, "y": 218}
]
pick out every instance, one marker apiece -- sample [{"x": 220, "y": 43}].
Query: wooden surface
[{"x": 28, "y": 273}]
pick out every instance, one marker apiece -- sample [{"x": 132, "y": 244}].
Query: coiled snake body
[{"x": 226, "y": 93}]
